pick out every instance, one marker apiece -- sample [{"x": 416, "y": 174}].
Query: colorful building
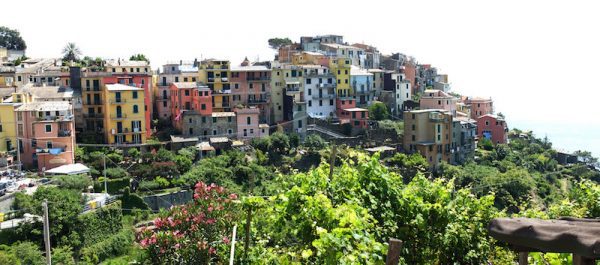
[
  {"x": 340, "y": 67},
  {"x": 429, "y": 132},
  {"x": 46, "y": 134},
  {"x": 8, "y": 129},
  {"x": 172, "y": 73},
  {"x": 251, "y": 86},
  {"x": 362, "y": 85},
  {"x": 492, "y": 127},
  {"x": 319, "y": 92},
  {"x": 215, "y": 74},
  {"x": 480, "y": 106},
  {"x": 438, "y": 99},
  {"x": 247, "y": 123},
  {"x": 357, "y": 117},
  {"x": 125, "y": 116}
]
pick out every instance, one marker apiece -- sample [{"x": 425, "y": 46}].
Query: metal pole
[
  {"x": 104, "y": 173},
  {"x": 47, "y": 233},
  {"x": 231, "y": 254},
  {"x": 19, "y": 153}
]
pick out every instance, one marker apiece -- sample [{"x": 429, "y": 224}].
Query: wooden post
[
  {"x": 579, "y": 260},
  {"x": 393, "y": 254},
  {"x": 523, "y": 258},
  {"x": 247, "y": 239}
]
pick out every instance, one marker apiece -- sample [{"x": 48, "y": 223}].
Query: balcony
[
  {"x": 256, "y": 101},
  {"x": 292, "y": 89},
  {"x": 56, "y": 150},
  {"x": 95, "y": 102},
  {"x": 67, "y": 117},
  {"x": 325, "y": 85},
  {"x": 258, "y": 78},
  {"x": 127, "y": 131},
  {"x": 323, "y": 96},
  {"x": 64, "y": 133},
  {"x": 93, "y": 115},
  {"x": 118, "y": 101},
  {"x": 118, "y": 116}
]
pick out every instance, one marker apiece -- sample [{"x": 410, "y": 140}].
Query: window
[
  {"x": 310, "y": 103},
  {"x": 413, "y": 127},
  {"x": 48, "y": 128},
  {"x": 331, "y": 102},
  {"x": 203, "y": 119},
  {"x": 135, "y": 109},
  {"x": 229, "y": 119},
  {"x": 300, "y": 124},
  {"x": 49, "y": 144},
  {"x": 309, "y": 91},
  {"x": 0, "y": 127},
  {"x": 203, "y": 106},
  {"x": 320, "y": 102},
  {"x": 346, "y": 81},
  {"x": 214, "y": 132},
  {"x": 214, "y": 119},
  {"x": 186, "y": 92},
  {"x": 248, "y": 120},
  {"x": 164, "y": 104},
  {"x": 191, "y": 130},
  {"x": 345, "y": 72},
  {"x": 185, "y": 79},
  {"x": 229, "y": 131},
  {"x": 245, "y": 132},
  {"x": 236, "y": 85},
  {"x": 356, "y": 123},
  {"x": 251, "y": 131},
  {"x": 487, "y": 123},
  {"x": 308, "y": 81},
  {"x": 177, "y": 79}
]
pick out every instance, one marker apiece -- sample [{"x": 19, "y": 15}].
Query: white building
[
  {"x": 319, "y": 92},
  {"x": 402, "y": 93}
]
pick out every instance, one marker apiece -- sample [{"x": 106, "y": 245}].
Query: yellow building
[
  {"x": 124, "y": 115},
  {"x": 8, "y": 131},
  {"x": 92, "y": 99},
  {"x": 340, "y": 67},
  {"x": 215, "y": 74}
]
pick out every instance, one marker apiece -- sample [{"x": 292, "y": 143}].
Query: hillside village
[
  {"x": 321, "y": 84},
  {"x": 331, "y": 153}
]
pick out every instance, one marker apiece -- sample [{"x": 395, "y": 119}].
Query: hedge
[
  {"x": 99, "y": 224},
  {"x": 132, "y": 201},
  {"x": 115, "y": 245},
  {"x": 114, "y": 185}
]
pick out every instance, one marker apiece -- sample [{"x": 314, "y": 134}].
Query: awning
[{"x": 72, "y": 169}]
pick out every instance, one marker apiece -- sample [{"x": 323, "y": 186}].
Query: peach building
[
  {"x": 46, "y": 134},
  {"x": 189, "y": 97},
  {"x": 247, "y": 123},
  {"x": 437, "y": 99},
  {"x": 480, "y": 106},
  {"x": 429, "y": 132}
]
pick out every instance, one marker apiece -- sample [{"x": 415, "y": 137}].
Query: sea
[{"x": 569, "y": 136}]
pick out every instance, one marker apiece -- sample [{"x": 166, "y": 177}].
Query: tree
[
  {"x": 378, "y": 111},
  {"x": 408, "y": 166},
  {"x": 71, "y": 52},
  {"x": 11, "y": 39},
  {"x": 586, "y": 157},
  {"x": 280, "y": 143},
  {"x": 63, "y": 256},
  {"x": 276, "y": 43},
  {"x": 196, "y": 233},
  {"x": 139, "y": 57},
  {"x": 314, "y": 142},
  {"x": 28, "y": 253}
]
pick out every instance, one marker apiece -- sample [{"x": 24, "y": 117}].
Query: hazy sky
[{"x": 537, "y": 59}]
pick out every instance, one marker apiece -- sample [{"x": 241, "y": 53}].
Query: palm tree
[{"x": 71, "y": 52}]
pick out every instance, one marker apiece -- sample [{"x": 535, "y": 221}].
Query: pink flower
[
  {"x": 144, "y": 242},
  {"x": 196, "y": 196},
  {"x": 211, "y": 221},
  {"x": 233, "y": 196},
  {"x": 211, "y": 250},
  {"x": 210, "y": 209},
  {"x": 177, "y": 246},
  {"x": 226, "y": 240}
]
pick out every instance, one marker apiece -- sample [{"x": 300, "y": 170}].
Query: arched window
[
  {"x": 135, "y": 109},
  {"x": 248, "y": 120}
]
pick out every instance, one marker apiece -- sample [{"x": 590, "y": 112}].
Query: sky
[{"x": 536, "y": 59}]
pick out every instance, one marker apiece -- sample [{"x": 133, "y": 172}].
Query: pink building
[
  {"x": 358, "y": 117},
  {"x": 46, "y": 134},
  {"x": 247, "y": 123},
  {"x": 480, "y": 106},
  {"x": 492, "y": 127},
  {"x": 344, "y": 103},
  {"x": 437, "y": 99},
  {"x": 251, "y": 86}
]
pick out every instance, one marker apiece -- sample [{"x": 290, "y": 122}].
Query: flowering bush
[{"x": 195, "y": 233}]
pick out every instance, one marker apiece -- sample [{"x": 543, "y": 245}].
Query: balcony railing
[
  {"x": 118, "y": 116},
  {"x": 127, "y": 131},
  {"x": 95, "y": 102},
  {"x": 64, "y": 133},
  {"x": 93, "y": 115},
  {"x": 55, "y": 149},
  {"x": 292, "y": 89},
  {"x": 55, "y": 118},
  {"x": 118, "y": 101},
  {"x": 253, "y": 101},
  {"x": 258, "y": 78},
  {"x": 323, "y": 96}
]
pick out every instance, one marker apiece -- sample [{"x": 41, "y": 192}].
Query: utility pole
[
  {"x": 332, "y": 159},
  {"x": 47, "y": 233},
  {"x": 104, "y": 173},
  {"x": 19, "y": 153}
]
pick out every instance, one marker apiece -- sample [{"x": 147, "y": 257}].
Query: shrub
[
  {"x": 114, "y": 185},
  {"x": 95, "y": 226},
  {"x": 28, "y": 253},
  {"x": 162, "y": 182},
  {"x": 116, "y": 173},
  {"x": 75, "y": 182},
  {"x": 114, "y": 245},
  {"x": 146, "y": 185},
  {"x": 132, "y": 201},
  {"x": 63, "y": 256}
]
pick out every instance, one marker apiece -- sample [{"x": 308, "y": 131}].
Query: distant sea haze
[{"x": 567, "y": 135}]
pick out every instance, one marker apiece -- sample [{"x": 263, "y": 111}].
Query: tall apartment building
[
  {"x": 172, "y": 73},
  {"x": 251, "y": 86},
  {"x": 319, "y": 92},
  {"x": 124, "y": 114},
  {"x": 429, "y": 132},
  {"x": 215, "y": 74}
]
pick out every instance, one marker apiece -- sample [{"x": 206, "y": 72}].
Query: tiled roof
[{"x": 45, "y": 106}]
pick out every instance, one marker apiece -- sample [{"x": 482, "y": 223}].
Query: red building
[
  {"x": 344, "y": 103},
  {"x": 358, "y": 117},
  {"x": 189, "y": 97},
  {"x": 493, "y": 128}
]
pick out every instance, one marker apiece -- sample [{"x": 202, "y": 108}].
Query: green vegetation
[
  {"x": 71, "y": 52},
  {"x": 275, "y": 43},
  {"x": 139, "y": 57},
  {"x": 11, "y": 39},
  {"x": 378, "y": 111}
]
